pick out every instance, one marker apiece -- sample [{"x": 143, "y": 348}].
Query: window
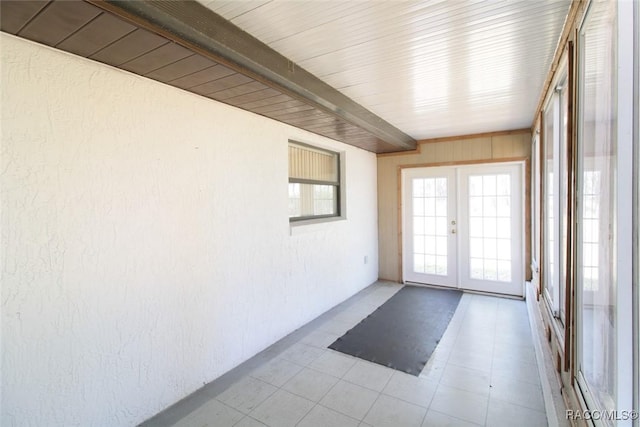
[
  {"x": 555, "y": 188},
  {"x": 535, "y": 208},
  {"x": 597, "y": 211},
  {"x": 314, "y": 182}
]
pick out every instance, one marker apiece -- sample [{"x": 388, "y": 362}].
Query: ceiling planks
[
  {"x": 431, "y": 68},
  {"x": 57, "y": 20},
  {"x": 182, "y": 68},
  {"x": 84, "y": 29},
  {"x": 15, "y": 15},
  {"x": 193, "y": 25},
  {"x": 129, "y": 47},
  {"x": 100, "y": 32}
]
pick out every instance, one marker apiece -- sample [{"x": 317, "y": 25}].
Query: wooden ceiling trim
[
  {"x": 366, "y": 140},
  {"x": 300, "y": 115},
  {"x": 245, "y": 89},
  {"x": 252, "y": 97},
  {"x": 129, "y": 47},
  {"x": 58, "y": 20},
  {"x": 292, "y": 114},
  {"x": 216, "y": 85},
  {"x": 323, "y": 124},
  {"x": 288, "y": 106},
  {"x": 97, "y": 34},
  {"x": 475, "y": 135},
  {"x": 274, "y": 99},
  {"x": 200, "y": 77},
  {"x": 337, "y": 132},
  {"x": 313, "y": 119},
  {"x": 156, "y": 59},
  {"x": 422, "y": 142},
  {"x": 181, "y": 68},
  {"x": 575, "y": 13},
  {"x": 81, "y": 28},
  {"x": 195, "y": 26},
  {"x": 16, "y": 14}
]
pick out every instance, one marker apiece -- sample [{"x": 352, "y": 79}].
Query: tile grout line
[
  {"x": 456, "y": 418},
  {"x": 461, "y": 322},
  {"x": 493, "y": 350},
  {"x": 377, "y": 397},
  {"x": 463, "y": 315},
  {"x": 295, "y": 394}
]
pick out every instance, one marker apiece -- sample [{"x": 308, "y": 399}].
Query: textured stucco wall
[
  {"x": 464, "y": 150},
  {"x": 145, "y": 243}
]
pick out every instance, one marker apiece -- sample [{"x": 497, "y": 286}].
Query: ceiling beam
[{"x": 193, "y": 25}]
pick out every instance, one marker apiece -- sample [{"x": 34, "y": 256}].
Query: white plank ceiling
[{"x": 430, "y": 68}]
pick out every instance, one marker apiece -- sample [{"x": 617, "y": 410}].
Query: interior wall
[
  {"x": 465, "y": 149},
  {"x": 146, "y": 247}
]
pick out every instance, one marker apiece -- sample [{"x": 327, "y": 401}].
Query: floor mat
[{"x": 403, "y": 332}]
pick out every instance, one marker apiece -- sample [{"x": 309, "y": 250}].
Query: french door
[{"x": 462, "y": 227}]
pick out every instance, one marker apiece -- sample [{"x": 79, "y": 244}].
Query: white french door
[
  {"x": 430, "y": 226},
  {"x": 462, "y": 227}
]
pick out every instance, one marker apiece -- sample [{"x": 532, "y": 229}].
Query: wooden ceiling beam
[{"x": 194, "y": 26}]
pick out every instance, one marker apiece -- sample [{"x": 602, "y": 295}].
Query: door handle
[{"x": 453, "y": 231}]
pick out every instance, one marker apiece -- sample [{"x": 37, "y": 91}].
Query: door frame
[{"x": 525, "y": 163}]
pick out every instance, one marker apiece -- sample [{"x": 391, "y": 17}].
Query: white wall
[{"x": 146, "y": 248}]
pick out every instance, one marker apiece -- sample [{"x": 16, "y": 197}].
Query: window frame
[
  {"x": 621, "y": 186},
  {"x": 555, "y": 297},
  {"x": 338, "y": 185}
]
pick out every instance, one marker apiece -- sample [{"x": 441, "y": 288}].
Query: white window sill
[{"x": 312, "y": 225}]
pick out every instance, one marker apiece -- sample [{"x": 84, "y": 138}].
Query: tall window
[
  {"x": 550, "y": 194},
  {"x": 314, "y": 182},
  {"x": 556, "y": 183},
  {"x": 596, "y": 246}
]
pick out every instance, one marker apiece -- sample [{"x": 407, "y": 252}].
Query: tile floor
[{"x": 483, "y": 373}]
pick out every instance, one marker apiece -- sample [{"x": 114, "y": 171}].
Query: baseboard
[{"x": 551, "y": 389}]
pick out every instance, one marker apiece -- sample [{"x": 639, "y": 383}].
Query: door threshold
[{"x": 468, "y": 291}]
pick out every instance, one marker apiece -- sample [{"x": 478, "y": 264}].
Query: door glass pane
[
  {"x": 430, "y": 231},
  {"x": 596, "y": 258},
  {"x": 490, "y": 227}
]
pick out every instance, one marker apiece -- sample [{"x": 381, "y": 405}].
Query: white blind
[{"x": 313, "y": 164}]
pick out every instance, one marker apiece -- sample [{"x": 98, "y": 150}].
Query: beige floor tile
[
  {"x": 517, "y": 392},
  {"x": 467, "y": 379},
  {"x": 310, "y": 384},
  {"x": 438, "y": 419},
  {"x": 411, "y": 389},
  {"x": 369, "y": 375},
  {"x": 276, "y": 372},
  {"x": 246, "y": 394},
  {"x": 505, "y": 414},
  {"x": 461, "y": 404},
  {"x": 333, "y": 363},
  {"x": 212, "y": 414},
  {"x": 320, "y": 416},
  {"x": 391, "y": 412},
  {"x": 302, "y": 354},
  {"x": 282, "y": 409},
  {"x": 349, "y": 399},
  {"x": 249, "y": 422}
]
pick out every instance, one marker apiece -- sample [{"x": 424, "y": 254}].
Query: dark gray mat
[{"x": 403, "y": 332}]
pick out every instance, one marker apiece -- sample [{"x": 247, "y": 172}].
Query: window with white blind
[{"x": 314, "y": 182}]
